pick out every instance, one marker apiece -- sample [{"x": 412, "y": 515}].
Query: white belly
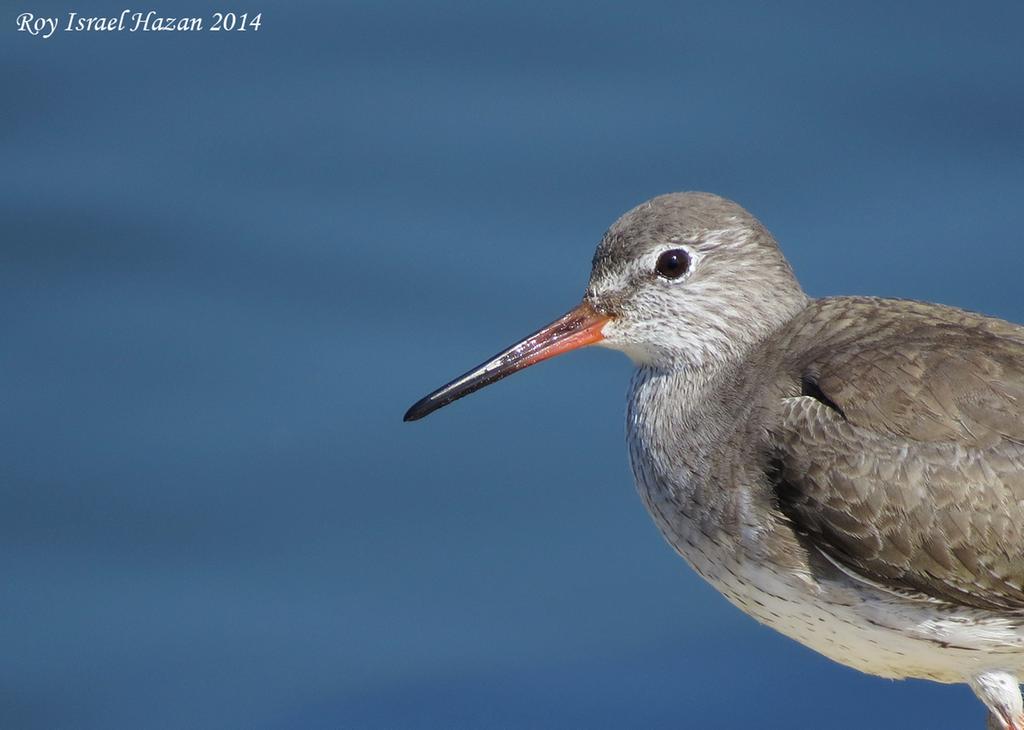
[{"x": 854, "y": 624}]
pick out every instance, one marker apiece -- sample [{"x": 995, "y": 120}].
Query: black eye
[{"x": 673, "y": 264}]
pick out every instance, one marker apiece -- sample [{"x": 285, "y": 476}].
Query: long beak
[{"x": 579, "y": 328}]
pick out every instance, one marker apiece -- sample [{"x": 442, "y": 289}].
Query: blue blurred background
[{"x": 229, "y": 262}]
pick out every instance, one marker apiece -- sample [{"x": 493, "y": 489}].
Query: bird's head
[
  {"x": 684, "y": 280},
  {"x": 688, "y": 279}
]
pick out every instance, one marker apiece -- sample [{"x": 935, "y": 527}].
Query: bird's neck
[
  {"x": 691, "y": 437},
  {"x": 689, "y": 425},
  {"x": 669, "y": 406},
  {"x": 684, "y": 409}
]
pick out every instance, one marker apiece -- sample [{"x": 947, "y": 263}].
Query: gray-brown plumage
[
  {"x": 913, "y": 474},
  {"x": 849, "y": 471}
]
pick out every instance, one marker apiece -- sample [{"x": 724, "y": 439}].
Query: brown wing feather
[{"x": 908, "y": 466}]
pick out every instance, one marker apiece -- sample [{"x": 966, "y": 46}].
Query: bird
[{"x": 847, "y": 470}]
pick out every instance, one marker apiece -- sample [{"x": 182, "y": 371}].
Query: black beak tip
[{"x": 418, "y": 410}]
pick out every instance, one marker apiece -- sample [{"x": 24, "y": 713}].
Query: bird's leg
[{"x": 1000, "y": 691}]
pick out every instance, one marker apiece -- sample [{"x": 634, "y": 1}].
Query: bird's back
[{"x": 899, "y": 446}]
